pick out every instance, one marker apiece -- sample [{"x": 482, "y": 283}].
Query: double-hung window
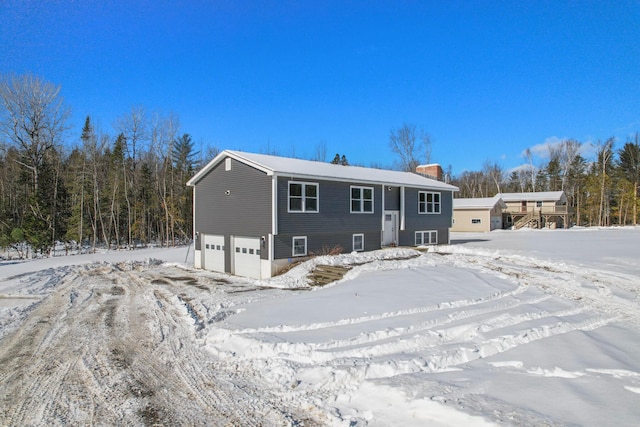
[
  {"x": 361, "y": 199},
  {"x": 303, "y": 196},
  {"x": 428, "y": 202}
]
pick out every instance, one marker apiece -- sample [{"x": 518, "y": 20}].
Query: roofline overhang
[{"x": 270, "y": 172}]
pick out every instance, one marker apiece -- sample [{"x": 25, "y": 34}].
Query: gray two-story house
[{"x": 255, "y": 213}]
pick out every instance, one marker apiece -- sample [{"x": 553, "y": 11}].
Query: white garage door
[
  {"x": 496, "y": 223},
  {"x": 213, "y": 252},
  {"x": 246, "y": 257}
]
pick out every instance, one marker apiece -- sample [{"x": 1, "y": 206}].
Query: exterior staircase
[
  {"x": 325, "y": 274},
  {"x": 531, "y": 219}
]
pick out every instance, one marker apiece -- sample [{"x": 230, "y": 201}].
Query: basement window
[
  {"x": 358, "y": 242},
  {"x": 299, "y": 246}
]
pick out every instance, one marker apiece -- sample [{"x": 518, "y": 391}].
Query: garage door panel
[
  {"x": 213, "y": 253},
  {"x": 246, "y": 257}
]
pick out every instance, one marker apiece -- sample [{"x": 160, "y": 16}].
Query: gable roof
[
  {"x": 539, "y": 196},
  {"x": 308, "y": 169},
  {"x": 479, "y": 203}
]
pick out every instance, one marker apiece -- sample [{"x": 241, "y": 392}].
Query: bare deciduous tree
[
  {"x": 494, "y": 175},
  {"x": 34, "y": 118},
  {"x": 320, "y": 153},
  {"x": 410, "y": 145}
]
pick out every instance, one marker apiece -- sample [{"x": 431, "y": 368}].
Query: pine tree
[{"x": 629, "y": 166}]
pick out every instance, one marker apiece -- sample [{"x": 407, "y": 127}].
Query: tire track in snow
[
  {"x": 595, "y": 289},
  {"x": 477, "y": 328},
  {"x": 101, "y": 350},
  {"x": 387, "y": 315}
]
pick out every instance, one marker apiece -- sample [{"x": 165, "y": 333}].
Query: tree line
[
  {"x": 114, "y": 191},
  {"x": 130, "y": 189},
  {"x": 601, "y": 192}
]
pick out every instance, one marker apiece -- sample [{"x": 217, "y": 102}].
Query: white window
[
  {"x": 358, "y": 242},
  {"x": 426, "y": 237},
  {"x": 538, "y": 204},
  {"x": 299, "y": 246},
  {"x": 361, "y": 199},
  {"x": 428, "y": 202},
  {"x": 227, "y": 164},
  {"x": 303, "y": 197},
  {"x": 476, "y": 221}
]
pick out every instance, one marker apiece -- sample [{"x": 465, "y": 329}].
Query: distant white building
[
  {"x": 543, "y": 209},
  {"x": 478, "y": 214}
]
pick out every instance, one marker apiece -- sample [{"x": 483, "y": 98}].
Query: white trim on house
[
  {"x": 293, "y": 246},
  {"x": 479, "y": 203},
  {"x": 402, "y": 208},
  {"x": 429, "y": 234},
  {"x": 542, "y": 196},
  {"x": 353, "y": 242},
  {"x": 274, "y": 205},
  {"x": 298, "y": 169},
  {"x": 433, "y": 204},
  {"x": 303, "y": 197},
  {"x": 362, "y": 200}
]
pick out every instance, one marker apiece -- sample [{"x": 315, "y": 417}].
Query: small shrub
[{"x": 327, "y": 250}]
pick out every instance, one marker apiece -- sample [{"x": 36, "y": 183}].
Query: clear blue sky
[{"x": 486, "y": 79}]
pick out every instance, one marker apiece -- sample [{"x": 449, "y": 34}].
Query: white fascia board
[
  {"x": 219, "y": 158},
  {"x": 310, "y": 177},
  {"x": 382, "y": 209},
  {"x": 274, "y": 205},
  {"x": 248, "y": 162},
  {"x": 402, "y": 208}
]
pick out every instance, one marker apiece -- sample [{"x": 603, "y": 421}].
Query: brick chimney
[{"x": 432, "y": 171}]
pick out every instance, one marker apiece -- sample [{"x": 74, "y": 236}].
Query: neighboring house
[
  {"x": 480, "y": 214},
  {"x": 547, "y": 209},
  {"x": 255, "y": 213}
]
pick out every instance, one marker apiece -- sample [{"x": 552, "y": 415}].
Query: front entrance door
[{"x": 390, "y": 232}]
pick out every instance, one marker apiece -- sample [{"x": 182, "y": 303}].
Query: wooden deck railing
[{"x": 560, "y": 210}]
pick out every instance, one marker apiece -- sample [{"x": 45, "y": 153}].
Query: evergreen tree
[{"x": 629, "y": 166}]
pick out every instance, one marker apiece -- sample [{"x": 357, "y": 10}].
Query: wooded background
[{"x": 128, "y": 188}]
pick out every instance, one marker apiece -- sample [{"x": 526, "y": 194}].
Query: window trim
[
  {"x": 293, "y": 246},
  {"x": 361, "y": 199},
  {"x": 422, "y": 234},
  {"x": 424, "y": 210},
  {"x": 303, "y": 196},
  {"x": 353, "y": 242}
]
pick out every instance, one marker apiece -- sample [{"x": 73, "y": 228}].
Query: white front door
[
  {"x": 390, "y": 232},
  {"x": 213, "y": 252},
  {"x": 246, "y": 257}
]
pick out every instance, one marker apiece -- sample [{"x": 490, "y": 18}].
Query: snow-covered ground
[{"x": 501, "y": 328}]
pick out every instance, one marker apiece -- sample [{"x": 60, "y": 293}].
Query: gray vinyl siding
[
  {"x": 334, "y": 210},
  {"x": 245, "y": 211},
  {"x": 333, "y": 225},
  {"x": 391, "y": 198},
  {"x": 415, "y": 221},
  {"x": 320, "y": 243}
]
